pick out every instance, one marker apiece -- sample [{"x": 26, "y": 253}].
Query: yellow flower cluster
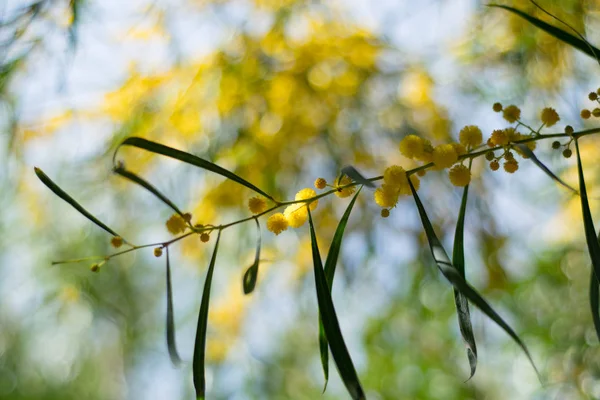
[
  {"x": 295, "y": 215},
  {"x": 414, "y": 147},
  {"x": 470, "y": 135},
  {"x": 460, "y": 175},
  {"x": 395, "y": 184}
]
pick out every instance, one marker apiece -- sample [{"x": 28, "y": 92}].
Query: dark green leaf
[
  {"x": 200, "y": 342},
  {"x": 140, "y": 181},
  {"x": 251, "y": 274},
  {"x": 530, "y": 155},
  {"x": 558, "y": 33},
  {"x": 171, "y": 343},
  {"x": 63, "y": 195},
  {"x": 590, "y": 234},
  {"x": 595, "y": 302},
  {"x": 188, "y": 158},
  {"x": 357, "y": 176},
  {"x": 453, "y": 276},
  {"x": 330, "y": 265},
  {"x": 462, "y": 305},
  {"x": 331, "y": 325}
]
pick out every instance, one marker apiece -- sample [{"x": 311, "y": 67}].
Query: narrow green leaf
[
  {"x": 462, "y": 305},
  {"x": 146, "y": 185},
  {"x": 171, "y": 342},
  {"x": 453, "y": 276},
  {"x": 357, "y": 176},
  {"x": 530, "y": 155},
  {"x": 574, "y": 41},
  {"x": 331, "y": 325},
  {"x": 590, "y": 236},
  {"x": 200, "y": 342},
  {"x": 63, "y": 195},
  {"x": 329, "y": 270},
  {"x": 595, "y": 302},
  {"x": 158, "y": 148},
  {"x": 251, "y": 274}
]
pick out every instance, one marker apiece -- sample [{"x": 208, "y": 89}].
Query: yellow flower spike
[
  {"x": 549, "y": 116},
  {"x": 257, "y": 205},
  {"x": 307, "y": 193},
  {"x": 386, "y": 196},
  {"x": 499, "y": 138},
  {"x": 511, "y": 166},
  {"x": 395, "y": 175},
  {"x": 158, "y": 251},
  {"x": 460, "y": 175},
  {"x": 511, "y": 113},
  {"x": 320, "y": 183},
  {"x": 296, "y": 215},
  {"x": 412, "y": 146},
  {"x": 444, "y": 156},
  {"x": 175, "y": 224},
  {"x": 204, "y": 237},
  {"x": 277, "y": 223},
  {"x": 116, "y": 242},
  {"x": 343, "y": 193},
  {"x": 471, "y": 135}
]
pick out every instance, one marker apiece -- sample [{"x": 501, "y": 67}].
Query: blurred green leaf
[
  {"x": 453, "y": 276},
  {"x": 171, "y": 342},
  {"x": 200, "y": 342},
  {"x": 530, "y": 155},
  {"x": 251, "y": 274},
  {"x": 188, "y": 158},
  {"x": 356, "y": 176},
  {"x": 330, "y": 323}
]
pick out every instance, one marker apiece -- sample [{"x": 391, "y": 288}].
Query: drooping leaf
[
  {"x": 171, "y": 342},
  {"x": 158, "y": 148},
  {"x": 590, "y": 237},
  {"x": 461, "y": 302},
  {"x": 329, "y": 270},
  {"x": 251, "y": 274},
  {"x": 331, "y": 325},
  {"x": 595, "y": 302},
  {"x": 200, "y": 342},
  {"x": 63, "y": 195},
  {"x": 530, "y": 155},
  {"x": 357, "y": 176},
  {"x": 146, "y": 185},
  {"x": 454, "y": 277}
]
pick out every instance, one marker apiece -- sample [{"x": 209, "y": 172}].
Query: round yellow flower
[
  {"x": 204, "y": 237},
  {"x": 412, "y": 146},
  {"x": 470, "y": 135},
  {"x": 497, "y": 107},
  {"x": 405, "y": 189},
  {"x": 256, "y": 205},
  {"x": 460, "y": 175},
  {"x": 158, "y": 251},
  {"x": 459, "y": 148},
  {"x": 296, "y": 215},
  {"x": 499, "y": 137},
  {"x": 385, "y": 213},
  {"x": 175, "y": 224},
  {"x": 343, "y": 193},
  {"x": 494, "y": 165},
  {"x": 116, "y": 242},
  {"x": 320, "y": 183},
  {"x": 427, "y": 155},
  {"x": 395, "y": 175},
  {"x": 386, "y": 196},
  {"x": 307, "y": 193},
  {"x": 511, "y": 166},
  {"x": 586, "y": 114},
  {"x": 444, "y": 156},
  {"x": 277, "y": 223},
  {"x": 549, "y": 116},
  {"x": 511, "y": 113}
]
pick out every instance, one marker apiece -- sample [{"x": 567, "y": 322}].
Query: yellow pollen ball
[
  {"x": 116, "y": 241},
  {"x": 511, "y": 166},
  {"x": 320, "y": 183},
  {"x": 549, "y": 116},
  {"x": 494, "y": 165},
  {"x": 158, "y": 251},
  {"x": 175, "y": 224},
  {"x": 460, "y": 175},
  {"x": 586, "y": 114},
  {"x": 499, "y": 138},
  {"x": 277, "y": 223},
  {"x": 343, "y": 193},
  {"x": 296, "y": 215},
  {"x": 205, "y": 237},
  {"x": 395, "y": 175},
  {"x": 511, "y": 113},
  {"x": 386, "y": 196},
  {"x": 256, "y": 205},
  {"x": 470, "y": 135},
  {"x": 307, "y": 193},
  {"x": 412, "y": 146},
  {"x": 444, "y": 156}
]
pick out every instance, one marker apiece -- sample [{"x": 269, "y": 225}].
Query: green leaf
[
  {"x": 574, "y": 41},
  {"x": 329, "y": 270},
  {"x": 454, "y": 277},
  {"x": 251, "y": 274},
  {"x": 63, "y": 195},
  {"x": 331, "y": 325},
  {"x": 530, "y": 155},
  {"x": 158, "y": 148},
  {"x": 357, "y": 176},
  {"x": 200, "y": 342},
  {"x": 146, "y": 185},
  {"x": 595, "y": 302},
  {"x": 171, "y": 345},
  {"x": 590, "y": 236},
  {"x": 461, "y": 302}
]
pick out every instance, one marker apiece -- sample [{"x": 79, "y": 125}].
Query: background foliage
[{"x": 282, "y": 92}]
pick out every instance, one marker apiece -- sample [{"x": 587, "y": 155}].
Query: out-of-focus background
[{"x": 283, "y": 92}]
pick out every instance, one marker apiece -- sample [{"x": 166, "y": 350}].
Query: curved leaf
[
  {"x": 356, "y": 176},
  {"x": 453, "y": 276},
  {"x": 171, "y": 343},
  {"x": 329, "y": 270},
  {"x": 530, "y": 155},
  {"x": 251, "y": 274},
  {"x": 200, "y": 342},
  {"x": 338, "y": 348},
  {"x": 595, "y": 302},
  {"x": 158, "y": 148},
  {"x": 63, "y": 195}
]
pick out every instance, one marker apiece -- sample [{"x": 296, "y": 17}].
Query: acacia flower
[
  {"x": 305, "y": 194},
  {"x": 395, "y": 175},
  {"x": 444, "y": 156},
  {"x": 296, "y": 215},
  {"x": 204, "y": 237},
  {"x": 412, "y": 146},
  {"x": 257, "y": 205},
  {"x": 386, "y": 196},
  {"x": 345, "y": 192},
  {"x": 116, "y": 241},
  {"x": 511, "y": 113},
  {"x": 499, "y": 137},
  {"x": 158, "y": 251},
  {"x": 460, "y": 175},
  {"x": 511, "y": 166},
  {"x": 549, "y": 116},
  {"x": 320, "y": 183},
  {"x": 175, "y": 224},
  {"x": 277, "y": 223},
  {"x": 470, "y": 135}
]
